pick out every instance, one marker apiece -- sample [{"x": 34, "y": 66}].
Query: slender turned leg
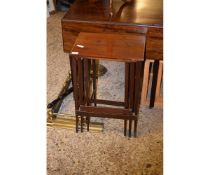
[
  {"x": 126, "y": 94},
  {"x": 82, "y": 120},
  {"x": 130, "y": 127},
  {"x": 131, "y": 92},
  {"x": 90, "y": 89},
  {"x": 77, "y": 123},
  {"x": 75, "y": 86},
  {"x": 80, "y": 80},
  {"x": 94, "y": 81},
  {"x": 154, "y": 83},
  {"x": 136, "y": 93},
  {"x": 88, "y": 123},
  {"x": 125, "y": 127},
  {"x": 74, "y": 78},
  {"x": 139, "y": 71},
  {"x": 71, "y": 64},
  {"x": 81, "y": 87},
  {"x": 138, "y": 85},
  {"x": 87, "y": 87}
]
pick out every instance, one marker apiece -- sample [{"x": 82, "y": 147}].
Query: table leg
[
  {"x": 127, "y": 71},
  {"x": 154, "y": 83},
  {"x": 94, "y": 80},
  {"x": 130, "y": 127}
]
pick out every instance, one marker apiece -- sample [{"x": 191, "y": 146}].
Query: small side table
[{"x": 89, "y": 47}]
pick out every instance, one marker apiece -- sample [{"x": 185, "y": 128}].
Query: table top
[
  {"x": 112, "y": 46},
  {"x": 139, "y": 12}
]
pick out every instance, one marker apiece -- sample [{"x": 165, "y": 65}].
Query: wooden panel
[
  {"x": 105, "y": 110},
  {"x": 98, "y": 27},
  {"x": 110, "y": 46},
  {"x": 155, "y": 32},
  {"x": 154, "y": 48},
  {"x": 154, "y": 44},
  {"x": 70, "y": 30},
  {"x": 108, "y": 102},
  {"x": 106, "y": 115}
]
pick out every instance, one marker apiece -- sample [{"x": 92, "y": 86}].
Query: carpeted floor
[{"x": 99, "y": 153}]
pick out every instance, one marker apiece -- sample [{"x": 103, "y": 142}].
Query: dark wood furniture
[
  {"x": 89, "y": 47},
  {"x": 137, "y": 17}
]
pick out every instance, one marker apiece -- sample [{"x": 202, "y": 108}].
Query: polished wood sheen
[
  {"x": 147, "y": 12},
  {"x": 129, "y": 49},
  {"x": 137, "y": 17},
  {"x": 110, "y": 46}
]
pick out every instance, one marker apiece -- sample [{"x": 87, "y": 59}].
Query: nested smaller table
[{"x": 89, "y": 47}]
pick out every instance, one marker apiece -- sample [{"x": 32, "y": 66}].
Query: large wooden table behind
[{"x": 138, "y": 17}]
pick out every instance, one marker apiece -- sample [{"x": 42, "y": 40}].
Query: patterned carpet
[{"x": 99, "y": 153}]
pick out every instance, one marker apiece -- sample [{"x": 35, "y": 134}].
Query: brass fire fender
[{"x": 68, "y": 121}]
